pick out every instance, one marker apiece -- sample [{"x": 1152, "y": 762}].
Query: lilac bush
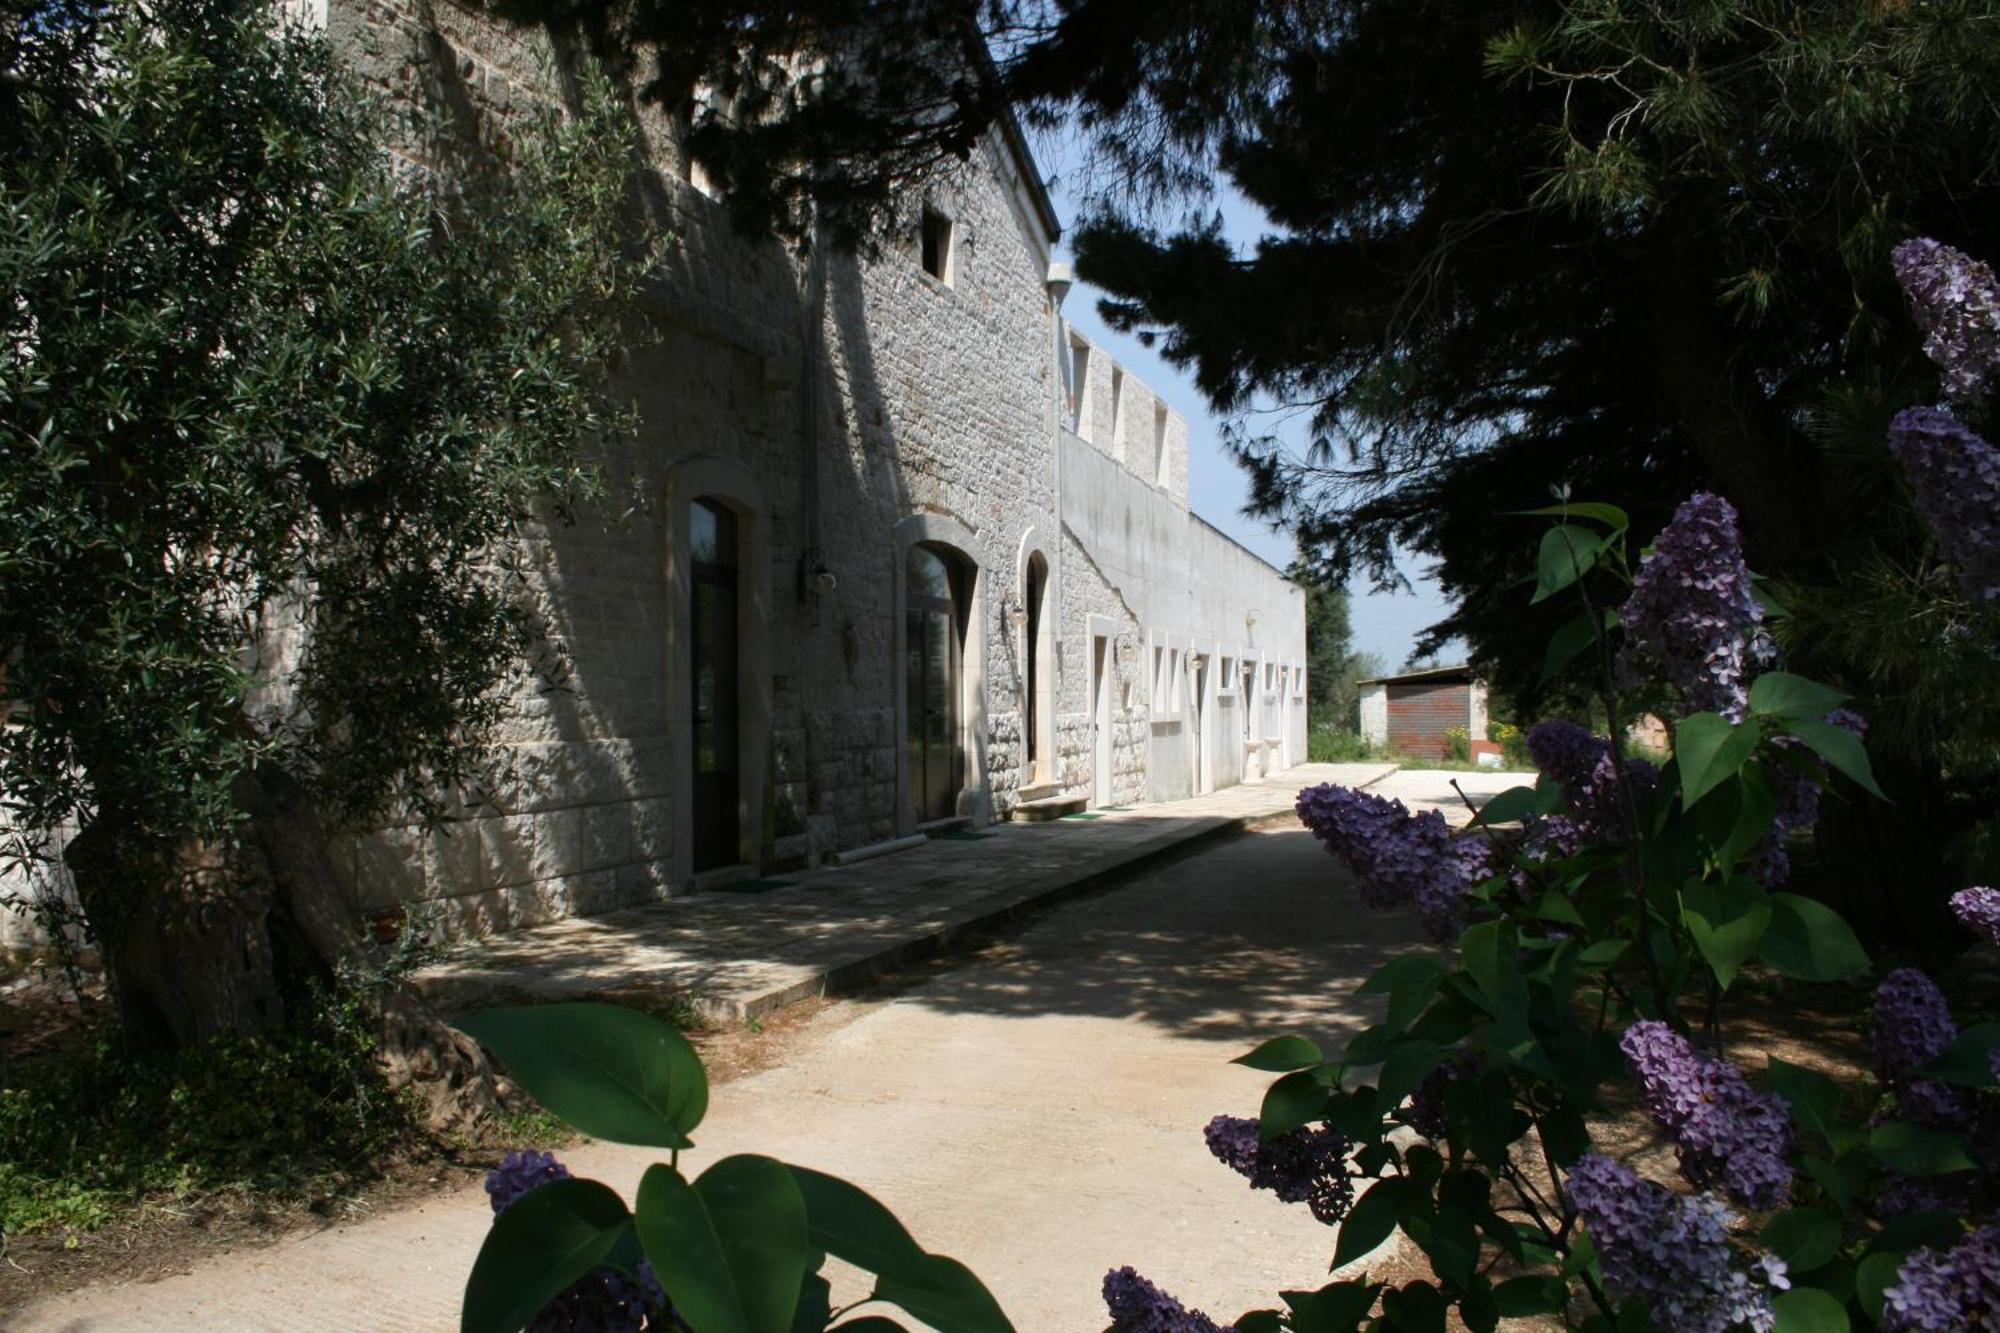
[
  {"x": 1955, "y": 475},
  {"x": 1671, "y": 1251},
  {"x": 1957, "y": 306},
  {"x": 603, "y": 1301},
  {"x": 1692, "y": 613},
  {"x": 1137, "y": 1306},
  {"x": 1306, "y": 1166},
  {"x": 1942, "y": 1293},
  {"x": 1725, "y": 1132},
  {"x": 1913, "y": 1024}
]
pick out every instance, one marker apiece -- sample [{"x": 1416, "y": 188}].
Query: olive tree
[{"x": 276, "y": 403}]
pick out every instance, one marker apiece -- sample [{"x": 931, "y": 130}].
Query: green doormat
[
  {"x": 959, "y": 835},
  {"x": 754, "y": 886},
  {"x": 1084, "y": 814}
]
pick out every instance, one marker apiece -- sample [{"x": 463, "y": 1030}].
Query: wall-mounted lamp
[
  {"x": 814, "y": 576},
  {"x": 1250, "y": 620},
  {"x": 1061, "y": 278},
  {"x": 1017, "y": 615}
]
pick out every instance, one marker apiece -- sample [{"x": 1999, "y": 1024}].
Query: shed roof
[{"x": 1430, "y": 675}]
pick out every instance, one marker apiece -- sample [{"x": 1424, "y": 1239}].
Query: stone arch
[
  {"x": 727, "y": 482},
  {"x": 1036, "y": 597},
  {"x": 948, "y": 534}
]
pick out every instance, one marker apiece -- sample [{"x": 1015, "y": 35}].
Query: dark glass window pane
[
  {"x": 711, "y": 533},
  {"x": 927, "y": 574}
]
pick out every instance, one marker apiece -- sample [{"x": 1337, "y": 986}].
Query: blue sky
[{"x": 1384, "y": 624}]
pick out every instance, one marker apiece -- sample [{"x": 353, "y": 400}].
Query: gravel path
[{"x": 1035, "y": 1111}]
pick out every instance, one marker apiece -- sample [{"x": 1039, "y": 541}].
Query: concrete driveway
[{"x": 1035, "y": 1112}]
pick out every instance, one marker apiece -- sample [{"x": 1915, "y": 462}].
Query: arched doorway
[
  {"x": 934, "y": 611},
  {"x": 716, "y": 721},
  {"x": 1038, "y": 712}
]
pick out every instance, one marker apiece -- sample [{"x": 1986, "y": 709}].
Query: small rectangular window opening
[{"x": 937, "y": 245}]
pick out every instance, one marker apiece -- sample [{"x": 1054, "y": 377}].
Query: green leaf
[
  {"x": 1814, "y": 1098},
  {"x": 1259, "y": 1321},
  {"x": 1567, "y": 553},
  {"x": 1809, "y": 940},
  {"x": 1281, "y": 1055},
  {"x": 1576, "y": 636},
  {"x": 944, "y": 1294},
  {"x": 1610, "y": 515},
  {"x": 1804, "y": 1238},
  {"x": 1727, "y": 924},
  {"x": 1842, "y": 749},
  {"x": 1411, "y": 980},
  {"x": 610, "y": 1072},
  {"x": 1603, "y": 953},
  {"x": 1405, "y": 1069},
  {"x": 1369, "y": 1222},
  {"x": 1293, "y": 1101},
  {"x": 1708, "y": 749},
  {"x": 1875, "y": 1275},
  {"x": 1920, "y": 1150},
  {"x": 851, "y": 1224},
  {"x": 1487, "y": 953},
  {"x": 732, "y": 1247},
  {"x": 553, "y": 1235},
  {"x": 1509, "y": 805},
  {"x": 1808, "y": 1310},
  {"x": 1523, "y": 1297},
  {"x": 1338, "y": 1307},
  {"x": 873, "y": 1323},
  {"x": 1967, "y": 1062},
  {"x": 1777, "y": 694}
]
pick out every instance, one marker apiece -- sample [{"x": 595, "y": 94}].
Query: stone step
[
  {"x": 1048, "y": 807},
  {"x": 1036, "y": 792}
]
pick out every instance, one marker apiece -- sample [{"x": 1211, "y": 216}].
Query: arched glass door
[
  {"x": 717, "y": 721},
  {"x": 933, "y": 628},
  {"x": 1033, "y": 706}
]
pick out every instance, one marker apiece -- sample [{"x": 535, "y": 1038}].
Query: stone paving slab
[{"x": 735, "y": 956}]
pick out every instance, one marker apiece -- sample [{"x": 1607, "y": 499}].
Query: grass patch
[{"x": 89, "y": 1132}]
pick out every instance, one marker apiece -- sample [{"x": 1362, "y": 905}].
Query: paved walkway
[
  {"x": 1035, "y": 1112},
  {"x": 741, "y": 954}
]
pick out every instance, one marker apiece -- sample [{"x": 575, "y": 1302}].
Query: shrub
[{"x": 87, "y": 1131}]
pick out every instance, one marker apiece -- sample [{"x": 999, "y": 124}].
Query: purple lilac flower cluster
[
  {"x": 1957, "y": 305},
  {"x": 1692, "y": 612},
  {"x": 1398, "y": 859},
  {"x": 1581, "y": 764},
  {"x": 1979, "y": 910},
  {"x": 602, "y": 1301},
  {"x": 1137, "y": 1306},
  {"x": 1956, "y": 477},
  {"x": 1913, "y": 1026},
  {"x": 1307, "y": 1166},
  {"x": 1938, "y": 1293},
  {"x": 1672, "y": 1251},
  {"x": 1725, "y": 1131},
  {"x": 1798, "y": 793}
]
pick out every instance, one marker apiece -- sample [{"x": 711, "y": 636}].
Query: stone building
[{"x": 893, "y": 546}]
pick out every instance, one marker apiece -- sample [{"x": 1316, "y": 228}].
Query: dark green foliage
[
  {"x": 272, "y": 410},
  {"x": 1333, "y": 669},
  {"x": 85, "y": 1134}
]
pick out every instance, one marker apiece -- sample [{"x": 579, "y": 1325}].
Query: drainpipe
[
  {"x": 1059, "y": 280},
  {"x": 814, "y": 578}
]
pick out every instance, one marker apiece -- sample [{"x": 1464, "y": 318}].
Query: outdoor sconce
[
  {"x": 1061, "y": 279},
  {"x": 814, "y": 576},
  {"x": 1017, "y": 615},
  {"x": 1250, "y": 621}
]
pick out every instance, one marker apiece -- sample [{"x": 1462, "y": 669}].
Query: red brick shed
[{"x": 1412, "y": 711}]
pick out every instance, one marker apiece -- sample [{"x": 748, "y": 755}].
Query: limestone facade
[{"x": 841, "y": 413}]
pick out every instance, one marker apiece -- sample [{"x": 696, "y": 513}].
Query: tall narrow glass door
[
  {"x": 716, "y": 726},
  {"x": 931, "y": 685}
]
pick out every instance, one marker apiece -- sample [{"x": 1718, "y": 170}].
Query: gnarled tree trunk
[{"x": 206, "y": 939}]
